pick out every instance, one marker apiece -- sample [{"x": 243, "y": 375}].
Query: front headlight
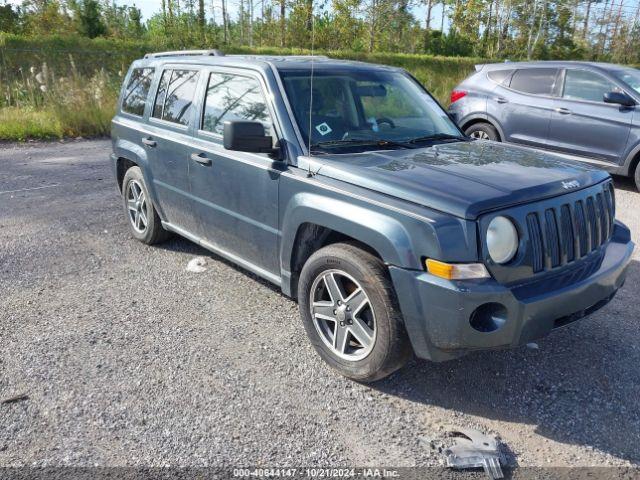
[{"x": 502, "y": 239}]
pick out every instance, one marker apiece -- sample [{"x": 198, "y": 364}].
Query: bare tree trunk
[
  {"x": 428, "y": 17},
  {"x": 250, "y": 22},
  {"x": 442, "y": 18},
  {"x": 225, "y": 22},
  {"x": 372, "y": 24},
  {"x": 606, "y": 18},
  {"x": 532, "y": 41},
  {"x": 585, "y": 27},
  {"x": 164, "y": 16},
  {"x": 283, "y": 12},
  {"x": 201, "y": 19},
  {"x": 617, "y": 24}
]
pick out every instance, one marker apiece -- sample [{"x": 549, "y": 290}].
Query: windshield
[
  {"x": 358, "y": 110},
  {"x": 630, "y": 76}
]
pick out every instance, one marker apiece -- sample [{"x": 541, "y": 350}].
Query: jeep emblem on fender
[{"x": 571, "y": 184}]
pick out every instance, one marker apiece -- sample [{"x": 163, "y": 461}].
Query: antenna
[{"x": 313, "y": 41}]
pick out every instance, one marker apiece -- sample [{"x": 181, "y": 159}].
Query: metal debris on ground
[
  {"x": 474, "y": 449},
  {"x": 197, "y": 265}
]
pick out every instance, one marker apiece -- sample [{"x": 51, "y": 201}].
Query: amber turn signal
[{"x": 456, "y": 271}]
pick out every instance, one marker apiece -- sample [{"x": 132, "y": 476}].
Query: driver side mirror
[
  {"x": 619, "y": 98},
  {"x": 243, "y": 136}
]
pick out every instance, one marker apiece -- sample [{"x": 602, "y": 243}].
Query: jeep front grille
[{"x": 566, "y": 233}]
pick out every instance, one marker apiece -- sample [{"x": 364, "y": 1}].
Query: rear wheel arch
[
  {"x": 123, "y": 164},
  {"x": 477, "y": 121}
]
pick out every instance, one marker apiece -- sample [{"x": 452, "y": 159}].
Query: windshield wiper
[
  {"x": 380, "y": 142},
  {"x": 438, "y": 137}
]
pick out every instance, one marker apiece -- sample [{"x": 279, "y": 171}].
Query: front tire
[
  {"x": 637, "y": 176},
  {"x": 350, "y": 313},
  {"x": 482, "y": 131},
  {"x": 144, "y": 223}
]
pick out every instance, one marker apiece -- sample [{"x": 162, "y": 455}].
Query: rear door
[
  {"x": 236, "y": 193},
  {"x": 170, "y": 131},
  {"x": 523, "y": 107},
  {"x": 582, "y": 124}
]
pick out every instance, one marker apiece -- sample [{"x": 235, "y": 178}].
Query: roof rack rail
[
  {"x": 186, "y": 53},
  {"x": 291, "y": 57}
]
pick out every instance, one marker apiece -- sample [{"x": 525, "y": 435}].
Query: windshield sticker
[{"x": 323, "y": 129}]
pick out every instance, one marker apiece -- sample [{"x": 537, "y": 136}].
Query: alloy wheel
[
  {"x": 480, "y": 135},
  {"x": 342, "y": 315},
  {"x": 137, "y": 206}
]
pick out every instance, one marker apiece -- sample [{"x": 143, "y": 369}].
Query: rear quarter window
[
  {"x": 135, "y": 94},
  {"x": 501, "y": 77}
]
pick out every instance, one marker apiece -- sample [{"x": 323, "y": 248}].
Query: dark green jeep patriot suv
[{"x": 348, "y": 186}]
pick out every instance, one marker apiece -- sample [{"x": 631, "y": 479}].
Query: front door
[
  {"x": 236, "y": 193},
  {"x": 582, "y": 124}
]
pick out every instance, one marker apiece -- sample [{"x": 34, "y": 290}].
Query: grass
[{"x": 56, "y": 88}]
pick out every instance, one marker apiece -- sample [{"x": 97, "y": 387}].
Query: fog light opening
[{"x": 488, "y": 317}]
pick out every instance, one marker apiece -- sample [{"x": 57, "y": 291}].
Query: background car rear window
[
  {"x": 536, "y": 81},
  {"x": 174, "y": 100},
  {"x": 233, "y": 97},
  {"x": 584, "y": 85},
  {"x": 501, "y": 77},
  {"x": 135, "y": 95}
]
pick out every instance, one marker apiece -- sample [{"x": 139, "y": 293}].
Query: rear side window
[
  {"x": 536, "y": 81},
  {"x": 135, "y": 95},
  {"x": 233, "y": 97},
  {"x": 501, "y": 77},
  {"x": 174, "y": 100},
  {"x": 584, "y": 85}
]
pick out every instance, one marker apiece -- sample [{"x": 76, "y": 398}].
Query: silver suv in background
[{"x": 587, "y": 111}]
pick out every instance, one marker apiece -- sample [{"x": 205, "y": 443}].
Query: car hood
[{"x": 464, "y": 179}]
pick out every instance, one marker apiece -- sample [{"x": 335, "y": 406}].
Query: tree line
[{"x": 607, "y": 30}]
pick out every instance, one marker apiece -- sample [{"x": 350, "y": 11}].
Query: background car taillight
[{"x": 457, "y": 95}]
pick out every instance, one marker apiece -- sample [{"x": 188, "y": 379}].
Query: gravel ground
[{"x": 128, "y": 359}]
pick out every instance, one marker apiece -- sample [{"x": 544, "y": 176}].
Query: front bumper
[{"x": 437, "y": 312}]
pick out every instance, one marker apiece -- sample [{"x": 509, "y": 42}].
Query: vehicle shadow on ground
[
  {"x": 580, "y": 387},
  {"x": 179, "y": 244},
  {"x": 624, "y": 183}
]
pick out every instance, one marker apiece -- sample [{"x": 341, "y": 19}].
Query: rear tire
[
  {"x": 144, "y": 222},
  {"x": 483, "y": 131},
  {"x": 637, "y": 176},
  {"x": 357, "y": 329}
]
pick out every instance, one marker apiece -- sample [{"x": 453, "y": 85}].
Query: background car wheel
[
  {"x": 637, "y": 176},
  {"x": 144, "y": 221},
  {"x": 483, "y": 131},
  {"x": 350, "y": 313}
]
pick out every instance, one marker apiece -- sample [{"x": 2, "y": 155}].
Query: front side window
[
  {"x": 535, "y": 81},
  {"x": 585, "y": 85},
  {"x": 135, "y": 95},
  {"x": 233, "y": 97},
  {"x": 342, "y": 110},
  {"x": 174, "y": 100},
  {"x": 630, "y": 76}
]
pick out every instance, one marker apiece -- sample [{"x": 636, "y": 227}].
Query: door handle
[
  {"x": 149, "y": 142},
  {"x": 201, "y": 159},
  {"x": 501, "y": 100},
  {"x": 563, "y": 111}
]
